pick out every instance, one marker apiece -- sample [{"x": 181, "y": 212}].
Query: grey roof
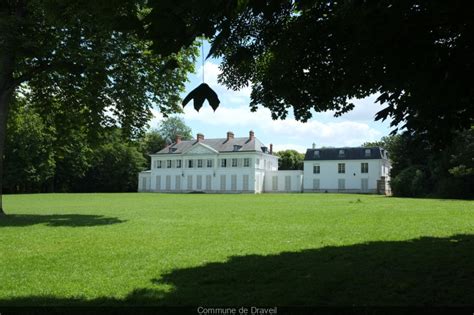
[
  {"x": 219, "y": 144},
  {"x": 349, "y": 154}
]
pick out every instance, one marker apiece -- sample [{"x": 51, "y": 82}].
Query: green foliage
[
  {"x": 317, "y": 55},
  {"x": 82, "y": 66},
  {"x": 174, "y": 126},
  {"x": 385, "y": 142},
  {"x": 52, "y": 155},
  {"x": 87, "y": 56},
  {"x": 420, "y": 169},
  {"x": 411, "y": 182},
  {"x": 115, "y": 166},
  {"x": 284, "y": 249},
  {"x": 290, "y": 160},
  {"x": 463, "y": 157},
  {"x": 30, "y": 159},
  {"x": 151, "y": 143}
]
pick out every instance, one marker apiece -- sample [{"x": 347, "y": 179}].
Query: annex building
[{"x": 246, "y": 165}]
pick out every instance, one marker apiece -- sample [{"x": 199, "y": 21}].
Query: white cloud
[
  {"x": 342, "y": 133},
  {"x": 157, "y": 118},
  {"x": 351, "y": 129},
  {"x": 289, "y": 146}
]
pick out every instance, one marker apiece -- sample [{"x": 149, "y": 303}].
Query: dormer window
[
  {"x": 367, "y": 152},
  {"x": 316, "y": 154},
  {"x": 237, "y": 147},
  {"x": 341, "y": 153}
]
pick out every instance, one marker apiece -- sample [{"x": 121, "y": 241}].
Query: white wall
[
  {"x": 244, "y": 177},
  {"x": 329, "y": 176},
  {"x": 144, "y": 181},
  {"x": 276, "y": 181}
]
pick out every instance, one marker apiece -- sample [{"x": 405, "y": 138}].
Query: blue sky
[{"x": 233, "y": 114}]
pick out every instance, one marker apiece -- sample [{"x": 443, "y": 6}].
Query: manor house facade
[{"x": 246, "y": 165}]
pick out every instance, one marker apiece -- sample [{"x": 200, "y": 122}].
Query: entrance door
[{"x": 364, "y": 185}]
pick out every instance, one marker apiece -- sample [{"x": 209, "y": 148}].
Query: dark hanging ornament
[{"x": 202, "y": 92}]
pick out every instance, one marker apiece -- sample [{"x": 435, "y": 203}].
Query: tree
[
  {"x": 114, "y": 165},
  {"x": 290, "y": 160},
  {"x": 150, "y": 143},
  {"x": 317, "y": 55},
  {"x": 386, "y": 142},
  {"x": 174, "y": 126},
  {"x": 85, "y": 60},
  {"x": 29, "y": 158},
  {"x": 420, "y": 169}
]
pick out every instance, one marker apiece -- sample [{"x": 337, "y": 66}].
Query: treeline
[
  {"x": 423, "y": 169},
  {"x": 46, "y": 153}
]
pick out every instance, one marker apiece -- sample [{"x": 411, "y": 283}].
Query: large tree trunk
[
  {"x": 7, "y": 82},
  {"x": 7, "y": 86},
  {"x": 5, "y": 98}
]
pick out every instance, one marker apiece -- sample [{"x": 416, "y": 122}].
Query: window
[
  {"x": 341, "y": 153},
  {"x": 245, "y": 183},
  {"x": 168, "y": 182},
  {"x": 208, "y": 182},
  {"x": 316, "y": 169},
  {"x": 234, "y": 162},
  {"x": 367, "y": 152},
  {"x": 364, "y": 167},
  {"x": 190, "y": 163},
  {"x": 168, "y": 164},
  {"x": 341, "y": 184},
  {"x": 199, "y": 182},
  {"x": 158, "y": 164},
  {"x": 233, "y": 182},
  {"x": 257, "y": 163},
  {"x": 199, "y": 163},
  {"x": 190, "y": 181},
  {"x": 287, "y": 183},
  {"x": 177, "y": 182},
  {"x": 223, "y": 163},
  {"x": 223, "y": 182},
  {"x": 316, "y": 184},
  {"x": 178, "y": 163},
  {"x": 246, "y": 162},
  {"x": 364, "y": 184},
  {"x": 316, "y": 154},
  {"x": 237, "y": 147},
  {"x": 209, "y": 163},
  {"x": 274, "y": 183},
  {"x": 158, "y": 183},
  {"x": 341, "y": 168}
]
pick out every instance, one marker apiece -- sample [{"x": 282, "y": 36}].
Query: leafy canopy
[
  {"x": 172, "y": 127},
  {"x": 85, "y": 58},
  {"x": 317, "y": 55}
]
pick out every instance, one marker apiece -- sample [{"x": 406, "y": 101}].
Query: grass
[{"x": 288, "y": 249}]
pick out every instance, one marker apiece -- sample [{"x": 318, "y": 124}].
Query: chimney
[
  {"x": 251, "y": 135},
  {"x": 271, "y": 148},
  {"x": 230, "y": 135},
  {"x": 178, "y": 139},
  {"x": 200, "y": 137},
  {"x": 314, "y": 145}
]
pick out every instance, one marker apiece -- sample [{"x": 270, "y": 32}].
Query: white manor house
[{"x": 246, "y": 165}]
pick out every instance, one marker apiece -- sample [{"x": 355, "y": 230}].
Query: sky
[{"x": 233, "y": 114}]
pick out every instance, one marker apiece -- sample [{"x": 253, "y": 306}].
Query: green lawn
[{"x": 197, "y": 249}]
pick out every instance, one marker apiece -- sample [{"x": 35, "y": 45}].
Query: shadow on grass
[
  {"x": 425, "y": 271},
  {"x": 72, "y": 220}
]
